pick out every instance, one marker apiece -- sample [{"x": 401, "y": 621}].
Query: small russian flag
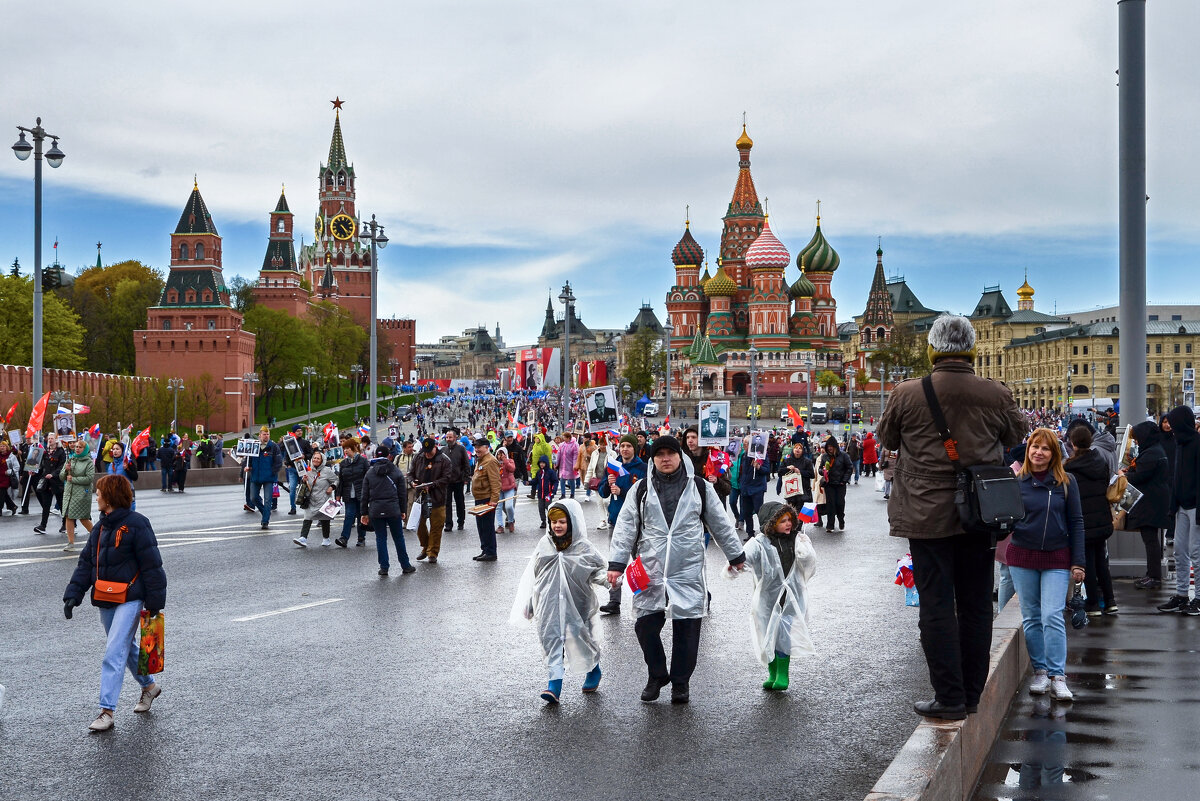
[
  {"x": 616, "y": 469},
  {"x": 94, "y": 431},
  {"x": 364, "y": 431},
  {"x": 808, "y": 513}
]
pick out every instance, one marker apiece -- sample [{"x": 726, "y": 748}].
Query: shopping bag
[
  {"x": 820, "y": 497},
  {"x": 150, "y": 644},
  {"x": 331, "y": 508},
  {"x": 414, "y": 517},
  {"x": 879, "y": 482},
  {"x": 792, "y": 486},
  {"x": 637, "y": 577}
]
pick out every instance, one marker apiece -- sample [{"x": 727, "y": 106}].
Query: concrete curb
[{"x": 942, "y": 761}]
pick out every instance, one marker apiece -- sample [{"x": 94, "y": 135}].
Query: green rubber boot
[
  {"x": 769, "y": 684},
  {"x": 781, "y": 672}
]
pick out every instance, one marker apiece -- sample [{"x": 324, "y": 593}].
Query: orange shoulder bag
[{"x": 113, "y": 592}]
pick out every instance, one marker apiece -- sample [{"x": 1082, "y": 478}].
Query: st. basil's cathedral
[{"x": 749, "y": 303}]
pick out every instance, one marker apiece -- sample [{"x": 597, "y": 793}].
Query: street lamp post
[
  {"x": 54, "y": 157},
  {"x": 308, "y": 373},
  {"x": 625, "y": 392},
  {"x": 175, "y": 385},
  {"x": 850, "y": 411},
  {"x": 698, "y": 374},
  {"x": 250, "y": 379},
  {"x": 667, "y": 330},
  {"x": 753, "y": 386},
  {"x": 356, "y": 370},
  {"x": 882, "y": 377},
  {"x": 373, "y": 232},
  {"x": 568, "y": 300}
]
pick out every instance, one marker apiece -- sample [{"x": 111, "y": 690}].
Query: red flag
[
  {"x": 11, "y": 412},
  {"x": 793, "y": 416},
  {"x": 140, "y": 442},
  {"x": 36, "y": 417}
]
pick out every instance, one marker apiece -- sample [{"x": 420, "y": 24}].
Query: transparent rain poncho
[
  {"x": 673, "y": 556},
  {"x": 779, "y": 603},
  {"x": 558, "y": 592}
]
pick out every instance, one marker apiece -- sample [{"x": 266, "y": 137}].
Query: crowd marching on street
[{"x": 665, "y": 498}]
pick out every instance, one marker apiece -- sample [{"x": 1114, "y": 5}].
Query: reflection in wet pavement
[{"x": 1130, "y": 732}]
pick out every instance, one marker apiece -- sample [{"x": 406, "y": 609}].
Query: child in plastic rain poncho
[
  {"x": 782, "y": 561},
  {"x": 557, "y": 593}
]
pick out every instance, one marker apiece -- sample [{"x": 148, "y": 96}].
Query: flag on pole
[
  {"x": 615, "y": 468},
  {"x": 37, "y": 417},
  {"x": 94, "y": 431},
  {"x": 364, "y": 430},
  {"x": 793, "y": 416},
  {"x": 808, "y": 513},
  {"x": 79, "y": 408},
  {"x": 140, "y": 442},
  {"x": 8, "y": 417}
]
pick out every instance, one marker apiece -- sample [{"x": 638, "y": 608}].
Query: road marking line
[{"x": 261, "y": 615}]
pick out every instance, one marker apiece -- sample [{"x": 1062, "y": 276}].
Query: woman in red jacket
[
  {"x": 870, "y": 455},
  {"x": 508, "y": 491}
]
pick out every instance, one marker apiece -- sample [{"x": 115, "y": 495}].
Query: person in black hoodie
[
  {"x": 120, "y": 548},
  {"x": 1150, "y": 473},
  {"x": 166, "y": 464},
  {"x": 1091, "y": 471},
  {"x": 1185, "y": 493},
  {"x": 384, "y": 499},
  {"x": 48, "y": 484}
]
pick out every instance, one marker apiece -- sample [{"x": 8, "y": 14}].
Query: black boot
[{"x": 654, "y": 687}]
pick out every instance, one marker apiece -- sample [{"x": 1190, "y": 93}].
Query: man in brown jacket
[
  {"x": 485, "y": 488},
  {"x": 429, "y": 476},
  {"x": 952, "y": 569}
]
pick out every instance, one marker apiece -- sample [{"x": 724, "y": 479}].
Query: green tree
[
  {"x": 62, "y": 333},
  {"x": 828, "y": 380},
  {"x": 285, "y": 345},
  {"x": 241, "y": 293},
  {"x": 111, "y": 302},
  {"x": 643, "y": 361},
  {"x": 344, "y": 342},
  {"x": 904, "y": 349}
]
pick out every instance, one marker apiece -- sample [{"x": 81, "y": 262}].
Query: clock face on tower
[
  {"x": 342, "y": 226},
  {"x": 320, "y": 226}
]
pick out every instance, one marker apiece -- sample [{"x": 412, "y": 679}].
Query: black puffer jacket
[
  {"x": 351, "y": 472},
  {"x": 841, "y": 469},
  {"x": 1150, "y": 473},
  {"x": 383, "y": 490},
  {"x": 136, "y": 554},
  {"x": 1091, "y": 473}
]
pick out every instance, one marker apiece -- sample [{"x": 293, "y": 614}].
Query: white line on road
[{"x": 285, "y": 611}]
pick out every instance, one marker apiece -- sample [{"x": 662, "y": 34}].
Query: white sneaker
[
  {"x": 1059, "y": 690},
  {"x": 326, "y": 542},
  {"x": 1040, "y": 684},
  {"x": 301, "y": 541},
  {"x": 603, "y": 524}
]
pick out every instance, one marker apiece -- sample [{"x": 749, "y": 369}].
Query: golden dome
[
  {"x": 721, "y": 285},
  {"x": 1025, "y": 291},
  {"x": 744, "y": 141}
]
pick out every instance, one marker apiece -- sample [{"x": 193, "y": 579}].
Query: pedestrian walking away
[
  {"x": 122, "y": 551},
  {"x": 384, "y": 498}
]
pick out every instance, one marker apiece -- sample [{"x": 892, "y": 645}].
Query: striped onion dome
[
  {"x": 704, "y": 279},
  {"x": 721, "y": 285},
  {"x": 803, "y": 288},
  {"x": 818, "y": 255},
  {"x": 688, "y": 251},
  {"x": 767, "y": 252}
]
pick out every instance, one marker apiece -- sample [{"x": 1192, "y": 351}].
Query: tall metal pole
[
  {"x": 850, "y": 411},
  {"x": 882, "y": 378},
  {"x": 373, "y": 231},
  {"x": 667, "y": 329},
  {"x": 753, "y": 386},
  {"x": 568, "y": 299},
  {"x": 1132, "y": 168}
]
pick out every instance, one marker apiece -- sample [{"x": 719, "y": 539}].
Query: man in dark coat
[
  {"x": 1185, "y": 496},
  {"x": 429, "y": 475},
  {"x": 384, "y": 499},
  {"x": 47, "y": 483},
  {"x": 1150, "y": 473},
  {"x": 166, "y": 464},
  {"x": 263, "y": 472},
  {"x": 953, "y": 569},
  {"x": 460, "y": 471}
]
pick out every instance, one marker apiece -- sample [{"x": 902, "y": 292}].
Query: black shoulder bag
[{"x": 988, "y": 497}]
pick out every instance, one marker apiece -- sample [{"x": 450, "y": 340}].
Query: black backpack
[{"x": 988, "y": 496}]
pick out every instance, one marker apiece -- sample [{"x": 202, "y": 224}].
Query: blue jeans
[
  {"x": 507, "y": 508},
  {"x": 166, "y": 478},
  {"x": 260, "y": 491},
  {"x": 749, "y": 505},
  {"x": 381, "y": 526},
  {"x": 1043, "y": 597},
  {"x": 121, "y": 652},
  {"x": 352, "y": 519},
  {"x": 857, "y": 469},
  {"x": 1006, "y": 590},
  {"x": 564, "y": 483},
  {"x": 293, "y": 479}
]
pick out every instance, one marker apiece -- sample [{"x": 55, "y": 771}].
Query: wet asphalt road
[
  {"x": 1129, "y": 733},
  {"x": 416, "y": 686}
]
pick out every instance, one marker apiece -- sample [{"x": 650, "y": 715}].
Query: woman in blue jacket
[
  {"x": 121, "y": 547},
  {"x": 1045, "y": 554}
]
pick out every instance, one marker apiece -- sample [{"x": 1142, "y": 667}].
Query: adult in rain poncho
[
  {"x": 664, "y": 524},
  {"x": 782, "y": 561},
  {"x": 558, "y": 593}
]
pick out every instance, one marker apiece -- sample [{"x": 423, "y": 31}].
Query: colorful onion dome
[
  {"x": 721, "y": 285},
  {"x": 704, "y": 279},
  {"x": 744, "y": 141},
  {"x": 688, "y": 252},
  {"x": 818, "y": 255},
  {"x": 803, "y": 288},
  {"x": 767, "y": 252}
]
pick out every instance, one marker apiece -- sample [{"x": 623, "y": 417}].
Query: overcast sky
[{"x": 511, "y": 146}]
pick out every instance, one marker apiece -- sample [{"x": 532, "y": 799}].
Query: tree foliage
[
  {"x": 111, "y": 303},
  {"x": 285, "y": 346},
  {"x": 344, "y": 342},
  {"x": 644, "y": 359},
  {"x": 241, "y": 293},
  {"x": 904, "y": 349},
  {"x": 62, "y": 332},
  {"x": 829, "y": 380}
]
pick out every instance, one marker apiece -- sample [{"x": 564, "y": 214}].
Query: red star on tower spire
[{"x": 337, "y": 103}]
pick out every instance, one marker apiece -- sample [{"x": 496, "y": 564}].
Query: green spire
[
  {"x": 705, "y": 353},
  {"x": 337, "y": 148},
  {"x": 99, "y": 266}
]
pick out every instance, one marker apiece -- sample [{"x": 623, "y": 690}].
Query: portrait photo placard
[
  {"x": 758, "y": 445},
  {"x": 246, "y": 448},
  {"x": 713, "y": 417},
  {"x": 601, "y": 405},
  {"x": 293, "y": 450},
  {"x": 64, "y": 425}
]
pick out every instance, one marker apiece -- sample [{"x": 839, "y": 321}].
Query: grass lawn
[
  {"x": 292, "y": 403},
  {"x": 345, "y": 418}
]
